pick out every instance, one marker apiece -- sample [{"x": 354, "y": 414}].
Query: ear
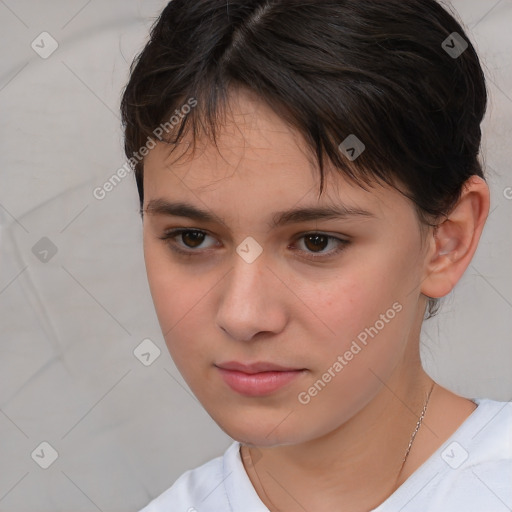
[{"x": 454, "y": 241}]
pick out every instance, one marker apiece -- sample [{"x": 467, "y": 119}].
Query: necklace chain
[{"x": 418, "y": 425}]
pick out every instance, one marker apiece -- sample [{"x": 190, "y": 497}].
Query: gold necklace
[{"x": 418, "y": 425}]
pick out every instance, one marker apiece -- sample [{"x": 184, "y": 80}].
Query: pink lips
[{"x": 257, "y": 379}]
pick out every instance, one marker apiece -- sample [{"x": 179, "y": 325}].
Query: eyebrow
[{"x": 280, "y": 218}]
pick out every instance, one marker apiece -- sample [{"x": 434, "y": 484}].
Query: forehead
[
  {"x": 249, "y": 133},
  {"x": 257, "y": 157}
]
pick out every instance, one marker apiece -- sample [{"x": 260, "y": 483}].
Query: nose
[{"x": 252, "y": 300}]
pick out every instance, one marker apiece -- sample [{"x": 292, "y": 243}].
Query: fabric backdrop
[{"x": 85, "y": 424}]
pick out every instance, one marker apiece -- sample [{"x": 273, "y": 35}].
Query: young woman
[{"x": 294, "y": 311}]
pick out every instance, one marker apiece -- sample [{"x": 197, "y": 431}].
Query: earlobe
[{"x": 454, "y": 241}]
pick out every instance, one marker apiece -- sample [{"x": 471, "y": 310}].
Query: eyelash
[{"x": 169, "y": 236}]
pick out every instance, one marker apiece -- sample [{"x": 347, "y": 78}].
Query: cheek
[
  {"x": 356, "y": 298},
  {"x": 180, "y": 298},
  {"x": 366, "y": 319},
  {"x": 366, "y": 340},
  {"x": 164, "y": 282}
]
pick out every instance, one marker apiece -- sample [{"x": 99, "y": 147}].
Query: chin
[{"x": 261, "y": 431}]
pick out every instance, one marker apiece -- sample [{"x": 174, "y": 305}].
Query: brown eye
[
  {"x": 191, "y": 239},
  {"x": 316, "y": 241},
  {"x": 195, "y": 238}
]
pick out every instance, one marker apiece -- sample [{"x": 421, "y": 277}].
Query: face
[{"x": 334, "y": 298}]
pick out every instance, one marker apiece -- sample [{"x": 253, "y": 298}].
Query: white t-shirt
[{"x": 470, "y": 472}]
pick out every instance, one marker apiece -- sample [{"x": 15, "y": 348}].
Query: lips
[
  {"x": 256, "y": 367},
  {"x": 257, "y": 379}
]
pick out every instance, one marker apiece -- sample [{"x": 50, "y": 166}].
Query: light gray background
[{"x": 68, "y": 375}]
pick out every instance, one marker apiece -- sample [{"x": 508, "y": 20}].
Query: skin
[{"x": 347, "y": 444}]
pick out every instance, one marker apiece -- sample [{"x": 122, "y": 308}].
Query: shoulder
[
  {"x": 195, "y": 486},
  {"x": 470, "y": 472},
  {"x": 478, "y": 461},
  {"x": 488, "y": 441},
  {"x": 489, "y": 438}
]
